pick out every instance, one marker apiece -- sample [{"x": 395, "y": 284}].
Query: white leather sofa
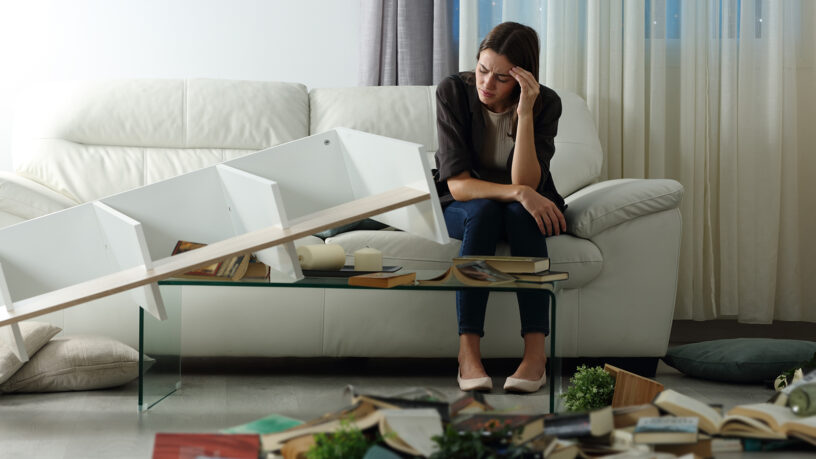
[{"x": 79, "y": 141}]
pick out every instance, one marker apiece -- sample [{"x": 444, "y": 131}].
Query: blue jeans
[{"x": 480, "y": 224}]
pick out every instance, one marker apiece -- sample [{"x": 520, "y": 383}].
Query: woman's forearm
[
  {"x": 466, "y": 188},
  {"x": 525, "y": 169}
]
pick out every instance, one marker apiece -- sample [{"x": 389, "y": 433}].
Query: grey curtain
[{"x": 406, "y": 42}]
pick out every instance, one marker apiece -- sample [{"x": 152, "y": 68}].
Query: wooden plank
[
  {"x": 632, "y": 389},
  {"x": 249, "y": 242}
]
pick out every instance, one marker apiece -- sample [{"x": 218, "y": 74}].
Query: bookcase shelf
[{"x": 261, "y": 203}]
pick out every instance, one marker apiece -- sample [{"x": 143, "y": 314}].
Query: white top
[{"x": 497, "y": 142}]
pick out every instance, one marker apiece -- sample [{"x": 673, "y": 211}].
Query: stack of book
[{"x": 474, "y": 271}]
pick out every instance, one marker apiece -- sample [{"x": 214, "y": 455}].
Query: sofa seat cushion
[{"x": 580, "y": 257}]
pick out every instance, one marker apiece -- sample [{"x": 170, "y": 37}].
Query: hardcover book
[
  {"x": 382, "y": 280},
  {"x": 525, "y": 426},
  {"x": 509, "y": 264},
  {"x": 666, "y": 429},
  {"x": 542, "y": 276},
  {"x": 196, "y": 445}
]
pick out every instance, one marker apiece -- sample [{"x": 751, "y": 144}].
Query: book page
[
  {"x": 415, "y": 427},
  {"x": 773, "y": 415},
  {"x": 744, "y": 426},
  {"x": 682, "y": 405}
]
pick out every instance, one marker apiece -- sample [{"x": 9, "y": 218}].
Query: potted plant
[{"x": 590, "y": 388}]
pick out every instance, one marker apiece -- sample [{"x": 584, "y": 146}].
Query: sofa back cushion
[
  {"x": 409, "y": 113},
  {"x": 91, "y": 139},
  {"x": 578, "y": 155},
  {"x": 402, "y": 112}
]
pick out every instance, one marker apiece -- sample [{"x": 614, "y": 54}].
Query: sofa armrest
[
  {"x": 603, "y": 205},
  {"x": 27, "y": 199}
]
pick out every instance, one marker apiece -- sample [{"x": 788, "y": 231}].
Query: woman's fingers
[
  {"x": 561, "y": 220},
  {"x": 524, "y": 77},
  {"x": 540, "y": 223}
]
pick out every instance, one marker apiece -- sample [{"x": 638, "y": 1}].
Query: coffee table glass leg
[
  {"x": 555, "y": 361},
  {"x": 160, "y": 350}
]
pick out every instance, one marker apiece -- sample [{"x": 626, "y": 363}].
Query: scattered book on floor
[
  {"x": 564, "y": 450},
  {"x": 268, "y": 424},
  {"x": 405, "y": 401},
  {"x": 361, "y": 415},
  {"x": 542, "y": 276},
  {"x": 626, "y": 416},
  {"x": 509, "y": 264},
  {"x": 758, "y": 420},
  {"x": 410, "y": 430},
  {"x": 594, "y": 423},
  {"x": 523, "y": 427},
  {"x": 666, "y": 429},
  {"x": 479, "y": 273},
  {"x": 704, "y": 448},
  {"x": 296, "y": 448},
  {"x": 382, "y": 279},
  {"x": 472, "y": 402},
  {"x": 769, "y": 445},
  {"x": 196, "y": 445}
]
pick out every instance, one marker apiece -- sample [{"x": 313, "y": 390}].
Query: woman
[{"x": 496, "y": 138}]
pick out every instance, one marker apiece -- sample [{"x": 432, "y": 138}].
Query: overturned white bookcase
[{"x": 258, "y": 203}]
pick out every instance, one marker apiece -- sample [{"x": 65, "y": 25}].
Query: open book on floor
[
  {"x": 758, "y": 420},
  {"x": 406, "y": 430}
]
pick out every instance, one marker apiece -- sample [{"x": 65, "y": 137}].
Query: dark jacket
[{"x": 460, "y": 126}]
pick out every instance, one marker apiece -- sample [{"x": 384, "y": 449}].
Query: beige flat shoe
[
  {"x": 484, "y": 383},
  {"x": 525, "y": 385}
]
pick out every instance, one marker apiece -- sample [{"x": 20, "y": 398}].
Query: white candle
[{"x": 368, "y": 259}]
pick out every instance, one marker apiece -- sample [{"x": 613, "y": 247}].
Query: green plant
[
  {"x": 347, "y": 442},
  {"x": 493, "y": 444},
  {"x": 787, "y": 377},
  {"x": 590, "y": 388}
]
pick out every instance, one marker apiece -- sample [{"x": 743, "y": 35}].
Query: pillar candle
[{"x": 368, "y": 259}]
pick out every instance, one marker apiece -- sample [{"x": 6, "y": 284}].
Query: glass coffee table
[{"x": 160, "y": 374}]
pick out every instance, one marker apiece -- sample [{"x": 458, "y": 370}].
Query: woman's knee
[
  {"x": 518, "y": 220},
  {"x": 515, "y": 212},
  {"x": 482, "y": 211}
]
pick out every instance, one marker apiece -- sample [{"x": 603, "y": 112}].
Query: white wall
[{"x": 314, "y": 42}]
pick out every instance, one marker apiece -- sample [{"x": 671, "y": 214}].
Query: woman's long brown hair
[{"x": 519, "y": 44}]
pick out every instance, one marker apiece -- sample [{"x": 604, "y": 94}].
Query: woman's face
[{"x": 493, "y": 81}]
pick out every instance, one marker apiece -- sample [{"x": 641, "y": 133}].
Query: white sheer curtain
[{"x": 719, "y": 95}]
